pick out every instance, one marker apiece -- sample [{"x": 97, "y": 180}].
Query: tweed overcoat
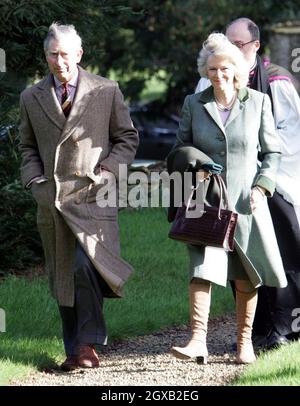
[
  {"x": 249, "y": 131},
  {"x": 68, "y": 152}
]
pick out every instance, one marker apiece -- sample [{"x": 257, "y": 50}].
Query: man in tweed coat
[{"x": 66, "y": 153}]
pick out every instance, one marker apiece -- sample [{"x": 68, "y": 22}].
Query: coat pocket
[
  {"x": 40, "y": 193},
  {"x": 95, "y": 209}
]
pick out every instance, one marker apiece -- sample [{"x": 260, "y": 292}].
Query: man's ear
[
  {"x": 79, "y": 55},
  {"x": 257, "y": 45}
]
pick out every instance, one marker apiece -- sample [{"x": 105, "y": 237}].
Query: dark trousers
[
  {"x": 275, "y": 305},
  {"x": 84, "y": 322}
]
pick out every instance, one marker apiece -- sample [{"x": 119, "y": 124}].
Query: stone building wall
[{"x": 285, "y": 47}]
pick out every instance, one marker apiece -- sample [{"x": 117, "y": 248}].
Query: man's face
[
  {"x": 239, "y": 35},
  {"x": 62, "y": 57}
]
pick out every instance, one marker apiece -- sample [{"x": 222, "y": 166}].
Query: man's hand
[{"x": 37, "y": 179}]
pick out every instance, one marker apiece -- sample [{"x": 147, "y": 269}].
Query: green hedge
[{"x": 20, "y": 245}]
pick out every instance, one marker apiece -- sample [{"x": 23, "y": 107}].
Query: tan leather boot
[
  {"x": 246, "y": 301},
  {"x": 199, "y": 294}
]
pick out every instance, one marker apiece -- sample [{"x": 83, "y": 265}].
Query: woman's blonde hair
[{"x": 218, "y": 44}]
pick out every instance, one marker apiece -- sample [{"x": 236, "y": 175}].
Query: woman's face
[{"x": 220, "y": 72}]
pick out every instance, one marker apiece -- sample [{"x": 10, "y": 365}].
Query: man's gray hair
[
  {"x": 58, "y": 31},
  {"x": 219, "y": 45}
]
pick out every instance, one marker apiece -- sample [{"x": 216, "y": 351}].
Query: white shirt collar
[{"x": 254, "y": 65}]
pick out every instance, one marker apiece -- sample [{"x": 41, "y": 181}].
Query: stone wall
[{"x": 285, "y": 47}]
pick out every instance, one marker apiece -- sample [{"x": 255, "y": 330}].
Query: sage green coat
[
  {"x": 249, "y": 130},
  {"x": 68, "y": 153}
]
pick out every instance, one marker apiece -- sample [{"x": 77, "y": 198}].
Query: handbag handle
[
  {"x": 223, "y": 191},
  {"x": 223, "y": 194}
]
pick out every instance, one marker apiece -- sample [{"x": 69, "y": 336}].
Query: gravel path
[{"x": 146, "y": 361}]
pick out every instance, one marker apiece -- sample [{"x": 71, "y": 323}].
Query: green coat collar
[{"x": 207, "y": 98}]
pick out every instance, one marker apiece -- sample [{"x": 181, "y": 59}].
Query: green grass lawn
[
  {"x": 279, "y": 367},
  {"x": 155, "y": 297}
]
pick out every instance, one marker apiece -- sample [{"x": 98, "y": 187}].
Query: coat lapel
[
  {"x": 212, "y": 110},
  {"x": 208, "y": 100},
  {"x": 238, "y": 106},
  {"x": 87, "y": 90},
  {"x": 46, "y": 97}
]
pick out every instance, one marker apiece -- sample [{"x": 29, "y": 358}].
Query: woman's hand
[
  {"x": 202, "y": 175},
  {"x": 258, "y": 194}
]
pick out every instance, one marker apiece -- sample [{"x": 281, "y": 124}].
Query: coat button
[
  {"x": 78, "y": 200},
  {"x": 77, "y": 143},
  {"x": 77, "y": 173}
]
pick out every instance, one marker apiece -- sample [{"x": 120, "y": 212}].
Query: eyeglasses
[{"x": 241, "y": 44}]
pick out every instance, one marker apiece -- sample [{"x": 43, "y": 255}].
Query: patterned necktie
[{"x": 66, "y": 103}]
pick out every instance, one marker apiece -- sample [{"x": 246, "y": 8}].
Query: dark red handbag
[{"x": 215, "y": 227}]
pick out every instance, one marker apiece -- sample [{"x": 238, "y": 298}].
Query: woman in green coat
[{"x": 230, "y": 125}]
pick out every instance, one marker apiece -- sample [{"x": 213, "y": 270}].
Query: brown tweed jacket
[{"x": 68, "y": 153}]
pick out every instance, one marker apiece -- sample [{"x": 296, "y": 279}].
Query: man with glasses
[
  {"x": 241, "y": 45},
  {"x": 273, "y": 324}
]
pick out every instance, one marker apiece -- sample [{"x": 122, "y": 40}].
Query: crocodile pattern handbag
[{"x": 215, "y": 227}]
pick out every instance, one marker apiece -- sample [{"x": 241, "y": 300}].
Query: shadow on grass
[
  {"x": 32, "y": 324},
  {"x": 29, "y": 353}
]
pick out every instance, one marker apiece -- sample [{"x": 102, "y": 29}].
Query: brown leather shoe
[
  {"x": 88, "y": 358},
  {"x": 70, "y": 364}
]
